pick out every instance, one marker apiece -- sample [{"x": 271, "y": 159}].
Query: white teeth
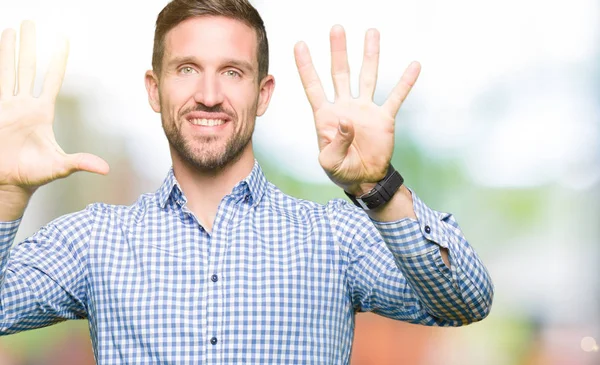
[{"x": 208, "y": 122}]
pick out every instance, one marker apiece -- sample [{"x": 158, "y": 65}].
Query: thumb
[
  {"x": 344, "y": 137},
  {"x": 86, "y": 162},
  {"x": 337, "y": 149}
]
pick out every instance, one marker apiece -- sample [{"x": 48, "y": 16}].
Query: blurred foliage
[{"x": 43, "y": 340}]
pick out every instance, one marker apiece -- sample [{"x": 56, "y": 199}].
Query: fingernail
[{"x": 343, "y": 127}]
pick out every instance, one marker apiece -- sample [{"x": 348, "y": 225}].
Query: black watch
[{"x": 381, "y": 193}]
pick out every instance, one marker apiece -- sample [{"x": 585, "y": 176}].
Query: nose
[{"x": 208, "y": 91}]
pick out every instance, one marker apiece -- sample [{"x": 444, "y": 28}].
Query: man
[{"x": 219, "y": 266}]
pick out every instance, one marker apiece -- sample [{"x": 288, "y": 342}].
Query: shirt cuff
[{"x": 409, "y": 237}]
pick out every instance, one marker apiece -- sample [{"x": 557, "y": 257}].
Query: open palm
[
  {"x": 29, "y": 154},
  {"x": 355, "y": 135}
]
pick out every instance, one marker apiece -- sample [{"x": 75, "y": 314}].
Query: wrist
[
  {"x": 13, "y": 201},
  {"x": 379, "y": 194},
  {"x": 399, "y": 207},
  {"x": 359, "y": 189}
]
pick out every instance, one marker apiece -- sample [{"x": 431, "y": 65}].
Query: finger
[
  {"x": 401, "y": 90},
  {"x": 56, "y": 72},
  {"x": 85, "y": 162},
  {"x": 334, "y": 153},
  {"x": 7, "y": 63},
  {"x": 26, "y": 58},
  {"x": 310, "y": 79},
  {"x": 340, "y": 70},
  {"x": 368, "y": 72}
]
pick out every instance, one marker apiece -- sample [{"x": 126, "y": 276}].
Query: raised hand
[
  {"x": 355, "y": 135},
  {"x": 29, "y": 154}
]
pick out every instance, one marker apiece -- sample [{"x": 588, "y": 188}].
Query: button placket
[{"x": 215, "y": 303}]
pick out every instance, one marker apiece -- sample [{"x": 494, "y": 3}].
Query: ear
[
  {"x": 267, "y": 85},
  {"x": 152, "y": 88}
]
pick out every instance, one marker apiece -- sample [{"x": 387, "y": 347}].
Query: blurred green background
[{"x": 502, "y": 130}]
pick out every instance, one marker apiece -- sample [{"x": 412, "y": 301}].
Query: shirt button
[
  {"x": 213, "y": 341},
  {"x": 214, "y": 278},
  {"x": 246, "y": 198},
  {"x": 427, "y": 229}
]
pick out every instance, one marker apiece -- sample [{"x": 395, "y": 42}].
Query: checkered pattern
[{"x": 278, "y": 281}]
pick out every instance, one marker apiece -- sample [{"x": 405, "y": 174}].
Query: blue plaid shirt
[{"x": 278, "y": 280}]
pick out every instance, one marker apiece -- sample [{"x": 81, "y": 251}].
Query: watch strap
[{"x": 383, "y": 191}]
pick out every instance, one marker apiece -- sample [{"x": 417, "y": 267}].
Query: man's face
[{"x": 208, "y": 91}]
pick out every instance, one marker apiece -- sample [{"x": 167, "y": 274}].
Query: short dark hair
[{"x": 179, "y": 10}]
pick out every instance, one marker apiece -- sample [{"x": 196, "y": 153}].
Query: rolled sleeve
[{"x": 462, "y": 291}]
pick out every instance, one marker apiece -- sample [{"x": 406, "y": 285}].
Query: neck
[{"x": 204, "y": 189}]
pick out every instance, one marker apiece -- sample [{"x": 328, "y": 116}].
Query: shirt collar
[
  {"x": 169, "y": 187},
  {"x": 253, "y": 186}
]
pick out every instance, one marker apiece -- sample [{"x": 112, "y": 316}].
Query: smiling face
[{"x": 208, "y": 92}]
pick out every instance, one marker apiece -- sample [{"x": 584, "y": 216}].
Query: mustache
[{"x": 208, "y": 109}]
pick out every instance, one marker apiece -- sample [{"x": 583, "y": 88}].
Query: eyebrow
[{"x": 243, "y": 65}]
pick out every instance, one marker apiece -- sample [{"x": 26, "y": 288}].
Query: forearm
[
  {"x": 13, "y": 201},
  {"x": 41, "y": 278},
  {"x": 401, "y": 207},
  {"x": 8, "y": 231},
  {"x": 21, "y": 306},
  {"x": 463, "y": 291}
]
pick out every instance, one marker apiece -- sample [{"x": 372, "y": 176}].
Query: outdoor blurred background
[{"x": 502, "y": 129}]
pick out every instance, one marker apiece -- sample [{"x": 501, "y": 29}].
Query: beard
[{"x": 208, "y": 154}]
